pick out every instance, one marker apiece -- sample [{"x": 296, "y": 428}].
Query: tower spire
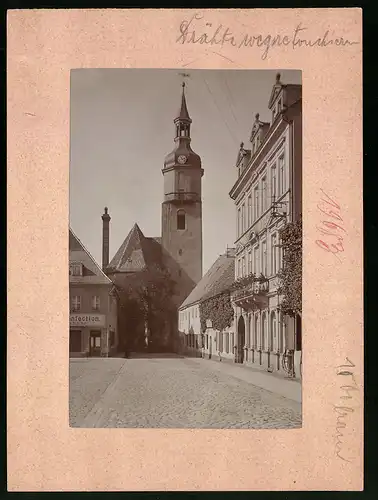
[{"x": 183, "y": 115}]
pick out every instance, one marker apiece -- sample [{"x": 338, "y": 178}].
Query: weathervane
[{"x": 184, "y": 75}]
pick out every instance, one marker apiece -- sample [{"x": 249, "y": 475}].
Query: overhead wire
[{"x": 219, "y": 111}]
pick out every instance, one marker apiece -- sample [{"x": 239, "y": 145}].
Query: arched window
[
  {"x": 255, "y": 331},
  {"x": 263, "y": 331},
  {"x": 181, "y": 220},
  {"x": 273, "y": 338}
]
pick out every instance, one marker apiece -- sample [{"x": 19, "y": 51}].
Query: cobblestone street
[{"x": 172, "y": 392}]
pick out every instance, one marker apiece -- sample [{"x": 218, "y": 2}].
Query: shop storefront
[{"x": 90, "y": 335}]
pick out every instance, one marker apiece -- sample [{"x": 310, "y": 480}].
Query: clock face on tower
[{"x": 182, "y": 159}]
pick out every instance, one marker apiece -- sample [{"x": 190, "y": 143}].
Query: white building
[
  {"x": 195, "y": 339},
  {"x": 267, "y": 194}
]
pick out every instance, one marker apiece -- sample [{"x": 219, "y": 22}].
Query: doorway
[
  {"x": 95, "y": 343},
  {"x": 75, "y": 341},
  {"x": 241, "y": 340}
]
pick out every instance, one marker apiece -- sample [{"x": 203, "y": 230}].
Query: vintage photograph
[{"x": 185, "y": 249}]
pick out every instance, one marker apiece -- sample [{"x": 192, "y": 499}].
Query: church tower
[{"x": 182, "y": 207}]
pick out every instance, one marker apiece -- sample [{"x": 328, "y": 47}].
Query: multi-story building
[
  {"x": 267, "y": 195},
  {"x": 93, "y": 307}
]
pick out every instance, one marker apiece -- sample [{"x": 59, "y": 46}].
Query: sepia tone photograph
[{"x": 185, "y": 249}]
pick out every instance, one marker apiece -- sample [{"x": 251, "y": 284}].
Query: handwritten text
[
  {"x": 191, "y": 32},
  {"x": 343, "y": 412},
  {"x": 332, "y": 232}
]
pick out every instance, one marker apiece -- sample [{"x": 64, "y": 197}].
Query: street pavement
[{"x": 173, "y": 392}]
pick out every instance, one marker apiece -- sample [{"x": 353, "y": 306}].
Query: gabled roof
[
  {"x": 136, "y": 253},
  {"x": 92, "y": 272},
  {"x": 257, "y": 125},
  {"x": 275, "y": 90},
  {"x": 217, "y": 280},
  {"x": 242, "y": 153}
]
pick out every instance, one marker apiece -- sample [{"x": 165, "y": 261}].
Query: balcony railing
[
  {"x": 251, "y": 295},
  {"x": 181, "y": 197}
]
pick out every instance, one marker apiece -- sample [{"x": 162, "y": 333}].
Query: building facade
[
  {"x": 93, "y": 305},
  {"x": 201, "y": 338},
  {"x": 267, "y": 195}
]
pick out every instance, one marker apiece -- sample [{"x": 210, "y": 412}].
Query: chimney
[{"x": 105, "y": 239}]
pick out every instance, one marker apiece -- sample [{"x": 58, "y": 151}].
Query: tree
[{"x": 147, "y": 306}]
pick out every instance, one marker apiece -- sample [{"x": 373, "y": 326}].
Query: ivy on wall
[
  {"x": 247, "y": 280},
  {"x": 218, "y": 309},
  {"x": 290, "y": 277}
]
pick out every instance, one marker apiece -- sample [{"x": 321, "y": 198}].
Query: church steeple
[
  {"x": 183, "y": 120},
  {"x": 183, "y": 153},
  {"x": 182, "y": 207},
  {"x": 184, "y": 115}
]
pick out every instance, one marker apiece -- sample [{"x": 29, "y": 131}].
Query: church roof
[
  {"x": 218, "y": 279},
  {"x": 92, "y": 272},
  {"x": 136, "y": 253}
]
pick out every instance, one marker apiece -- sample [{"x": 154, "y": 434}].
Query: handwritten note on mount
[
  {"x": 198, "y": 30},
  {"x": 332, "y": 233}
]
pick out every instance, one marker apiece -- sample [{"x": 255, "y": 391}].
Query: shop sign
[{"x": 87, "y": 320}]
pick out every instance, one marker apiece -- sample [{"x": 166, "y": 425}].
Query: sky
[{"x": 121, "y": 129}]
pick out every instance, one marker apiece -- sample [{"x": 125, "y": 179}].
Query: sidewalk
[{"x": 288, "y": 388}]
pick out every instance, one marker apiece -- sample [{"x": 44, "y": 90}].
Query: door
[
  {"x": 95, "y": 343},
  {"x": 75, "y": 341},
  {"x": 241, "y": 340}
]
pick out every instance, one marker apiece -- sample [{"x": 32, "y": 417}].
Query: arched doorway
[{"x": 241, "y": 340}]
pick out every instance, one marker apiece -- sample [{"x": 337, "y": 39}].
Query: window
[
  {"x": 227, "y": 342},
  {"x": 274, "y": 180},
  {"x": 95, "y": 303},
  {"x": 281, "y": 163},
  {"x": 264, "y": 259},
  {"x": 239, "y": 268},
  {"x": 75, "y": 303},
  {"x": 249, "y": 262},
  {"x": 273, "y": 338},
  {"x": 263, "y": 193},
  {"x": 255, "y": 331},
  {"x": 243, "y": 266},
  {"x": 239, "y": 222},
  {"x": 249, "y": 218},
  {"x": 273, "y": 253},
  {"x": 76, "y": 269},
  {"x": 256, "y": 260},
  {"x": 181, "y": 220},
  {"x": 279, "y": 107},
  {"x": 243, "y": 219},
  {"x": 264, "y": 332},
  {"x": 257, "y": 207}
]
